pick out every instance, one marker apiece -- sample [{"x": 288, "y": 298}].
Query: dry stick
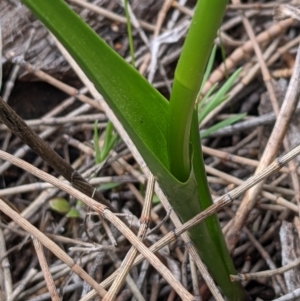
[
  {"x": 154, "y": 282},
  {"x": 58, "y": 84},
  {"x": 256, "y": 6},
  {"x": 222, "y": 202},
  {"x": 230, "y": 130},
  {"x": 58, "y": 271},
  {"x": 283, "y": 49},
  {"x": 22, "y": 284},
  {"x": 195, "y": 280},
  {"x": 45, "y": 269},
  {"x": 38, "y": 186},
  {"x": 145, "y": 39},
  {"x": 15, "y": 123},
  {"x": 284, "y": 11},
  {"x": 52, "y": 121},
  {"x": 110, "y": 15},
  {"x": 265, "y": 274},
  {"x": 39, "y": 201},
  {"x": 132, "y": 253},
  {"x": 233, "y": 180},
  {"x": 267, "y": 258},
  {"x": 49, "y": 244},
  {"x": 279, "y": 130},
  {"x": 22, "y": 150},
  {"x": 132, "y": 286},
  {"x": 161, "y": 17},
  {"x": 100, "y": 209},
  {"x": 5, "y": 277},
  {"x": 127, "y": 167},
  {"x": 233, "y": 158},
  {"x": 238, "y": 54},
  {"x": 16, "y": 68},
  {"x": 290, "y": 296}
]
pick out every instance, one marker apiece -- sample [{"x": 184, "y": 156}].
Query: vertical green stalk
[
  {"x": 188, "y": 76},
  {"x": 129, "y": 32},
  {"x": 184, "y": 148},
  {"x": 210, "y": 242}
]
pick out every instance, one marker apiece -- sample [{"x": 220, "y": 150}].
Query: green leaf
[
  {"x": 109, "y": 140},
  {"x": 96, "y": 143},
  {"x": 108, "y": 186},
  {"x": 129, "y": 32},
  {"x": 73, "y": 213},
  {"x": 208, "y": 67},
  {"x": 59, "y": 205},
  {"x": 141, "y": 109},
  {"x": 155, "y": 199},
  {"x": 219, "y": 97},
  {"x": 221, "y": 124}
]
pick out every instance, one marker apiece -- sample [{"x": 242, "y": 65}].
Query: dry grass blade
[
  {"x": 5, "y": 275},
  {"x": 103, "y": 211},
  {"x": 222, "y": 202},
  {"x": 49, "y": 244},
  {"x": 279, "y": 130},
  {"x": 240, "y": 52},
  {"x": 132, "y": 253},
  {"x": 45, "y": 268},
  {"x": 28, "y": 136}
]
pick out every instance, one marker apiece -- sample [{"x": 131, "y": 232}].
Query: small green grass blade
[{"x": 221, "y": 124}]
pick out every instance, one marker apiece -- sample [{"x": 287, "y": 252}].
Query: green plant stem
[
  {"x": 129, "y": 32},
  {"x": 143, "y": 113},
  {"x": 220, "y": 266},
  {"x": 188, "y": 76}
]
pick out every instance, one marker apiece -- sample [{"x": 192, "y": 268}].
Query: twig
[
  {"x": 239, "y": 53},
  {"x": 195, "y": 280},
  {"x": 110, "y": 15},
  {"x": 265, "y": 274},
  {"x": 45, "y": 269},
  {"x": 22, "y": 285},
  {"x": 24, "y": 132},
  {"x": 127, "y": 262},
  {"x": 279, "y": 130},
  {"x": 22, "y": 150},
  {"x": 132, "y": 253},
  {"x": 222, "y": 202},
  {"x": 5, "y": 277},
  {"x": 49, "y": 244},
  {"x": 16, "y": 68},
  {"x": 103, "y": 210},
  {"x": 290, "y": 296}
]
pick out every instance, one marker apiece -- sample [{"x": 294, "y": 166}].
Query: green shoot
[
  {"x": 129, "y": 32},
  {"x": 109, "y": 140},
  {"x": 221, "y": 124},
  {"x": 218, "y": 98},
  {"x": 208, "y": 69}
]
